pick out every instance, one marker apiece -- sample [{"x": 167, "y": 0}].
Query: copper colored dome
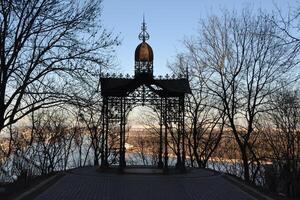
[{"x": 143, "y": 52}]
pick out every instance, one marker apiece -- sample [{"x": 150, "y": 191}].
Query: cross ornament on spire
[{"x": 144, "y": 34}]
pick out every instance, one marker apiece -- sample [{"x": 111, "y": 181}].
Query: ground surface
[{"x": 88, "y": 183}]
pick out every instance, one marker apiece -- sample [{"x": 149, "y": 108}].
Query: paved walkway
[{"x": 87, "y": 183}]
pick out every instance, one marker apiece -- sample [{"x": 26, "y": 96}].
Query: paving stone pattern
[{"x": 88, "y": 183}]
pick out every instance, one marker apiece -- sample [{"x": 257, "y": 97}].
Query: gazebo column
[
  {"x": 179, "y": 133},
  {"x": 103, "y": 131},
  {"x": 160, "y": 162},
  {"x": 124, "y": 131},
  {"x": 121, "y": 136},
  {"x": 166, "y": 157},
  {"x": 183, "y": 132},
  {"x": 122, "y": 162},
  {"x": 106, "y": 136}
]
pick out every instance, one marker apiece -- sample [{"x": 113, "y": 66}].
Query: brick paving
[{"x": 88, "y": 183}]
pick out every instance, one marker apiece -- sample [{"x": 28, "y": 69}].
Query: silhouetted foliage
[
  {"x": 283, "y": 136},
  {"x": 238, "y": 60},
  {"x": 46, "y": 47}
]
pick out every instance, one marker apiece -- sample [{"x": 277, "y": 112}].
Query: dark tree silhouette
[
  {"x": 243, "y": 57},
  {"x": 45, "y": 46},
  {"x": 283, "y": 138},
  {"x": 204, "y": 124}
]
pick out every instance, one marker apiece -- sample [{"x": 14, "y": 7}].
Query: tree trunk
[
  {"x": 245, "y": 164},
  {"x": 96, "y": 156}
]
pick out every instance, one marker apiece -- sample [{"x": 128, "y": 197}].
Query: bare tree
[
  {"x": 91, "y": 118},
  {"x": 243, "y": 57},
  {"x": 283, "y": 137},
  {"x": 47, "y": 147},
  {"x": 288, "y": 23},
  {"x": 79, "y": 134},
  {"x": 45, "y": 46},
  {"x": 204, "y": 122}
]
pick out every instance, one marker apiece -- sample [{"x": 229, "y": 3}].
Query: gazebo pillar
[
  {"x": 122, "y": 162},
  {"x": 166, "y": 156},
  {"x": 160, "y": 162},
  {"x": 104, "y": 134},
  {"x": 182, "y": 121}
]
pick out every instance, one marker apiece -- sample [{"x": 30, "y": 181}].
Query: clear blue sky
[{"x": 169, "y": 21}]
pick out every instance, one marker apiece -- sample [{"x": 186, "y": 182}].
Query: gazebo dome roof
[{"x": 144, "y": 52}]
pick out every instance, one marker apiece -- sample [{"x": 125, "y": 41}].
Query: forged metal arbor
[{"x": 164, "y": 95}]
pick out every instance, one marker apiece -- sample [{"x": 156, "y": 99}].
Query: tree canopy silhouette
[{"x": 46, "y": 46}]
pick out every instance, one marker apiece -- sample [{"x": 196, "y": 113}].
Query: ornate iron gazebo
[{"x": 166, "y": 95}]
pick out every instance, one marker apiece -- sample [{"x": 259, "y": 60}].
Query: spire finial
[{"x": 144, "y": 35}]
